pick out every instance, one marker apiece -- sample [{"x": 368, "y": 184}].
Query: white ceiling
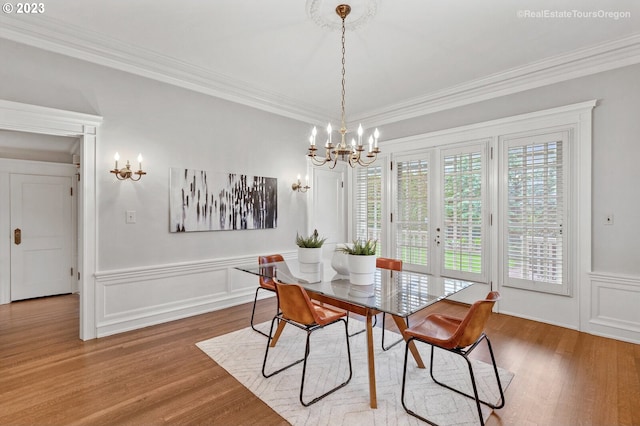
[{"x": 272, "y": 55}]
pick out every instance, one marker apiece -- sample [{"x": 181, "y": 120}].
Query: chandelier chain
[{"x": 343, "y": 74}]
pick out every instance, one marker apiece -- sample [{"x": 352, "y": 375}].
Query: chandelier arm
[
  {"x": 315, "y": 161},
  {"x": 365, "y": 163}
]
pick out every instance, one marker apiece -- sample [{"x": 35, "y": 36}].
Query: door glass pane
[
  {"x": 412, "y": 217},
  {"x": 535, "y": 212},
  {"x": 462, "y": 221}
]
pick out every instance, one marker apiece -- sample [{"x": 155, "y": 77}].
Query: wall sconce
[
  {"x": 126, "y": 172},
  {"x": 297, "y": 186}
]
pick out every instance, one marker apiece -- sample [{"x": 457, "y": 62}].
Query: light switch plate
[{"x": 131, "y": 216}]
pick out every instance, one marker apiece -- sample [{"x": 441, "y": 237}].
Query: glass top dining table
[{"x": 398, "y": 293}]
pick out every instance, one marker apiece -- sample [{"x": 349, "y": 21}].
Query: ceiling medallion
[{"x": 323, "y": 13}]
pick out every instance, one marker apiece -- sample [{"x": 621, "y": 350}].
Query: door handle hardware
[{"x": 17, "y": 236}]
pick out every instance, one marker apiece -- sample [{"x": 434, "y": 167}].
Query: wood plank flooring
[{"x": 157, "y": 375}]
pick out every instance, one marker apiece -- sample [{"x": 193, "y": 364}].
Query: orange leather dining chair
[
  {"x": 459, "y": 336},
  {"x": 264, "y": 284},
  {"x": 394, "y": 265},
  {"x": 297, "y": 309}
]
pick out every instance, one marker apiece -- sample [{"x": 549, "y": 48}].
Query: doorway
[{"x": 20, "y": 117}]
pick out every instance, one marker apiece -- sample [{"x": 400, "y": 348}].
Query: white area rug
[{"x": 241, "y": 353}]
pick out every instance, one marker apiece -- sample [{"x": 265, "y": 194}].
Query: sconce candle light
[
  {"x": 126, "y": 172},
  {"x": 297, "y": 186}
]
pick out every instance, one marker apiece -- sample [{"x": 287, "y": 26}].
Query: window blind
[
  {"x": 535, "y": 213},
  {"x": 368, "y": 204}
]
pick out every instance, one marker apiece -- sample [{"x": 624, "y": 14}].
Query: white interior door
[{"x": 42, "y": 235}]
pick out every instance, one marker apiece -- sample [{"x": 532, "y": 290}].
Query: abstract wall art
[{"x": 206, "y": 201}]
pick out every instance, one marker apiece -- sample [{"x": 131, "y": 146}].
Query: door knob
[{"x": 17, "y": 236}]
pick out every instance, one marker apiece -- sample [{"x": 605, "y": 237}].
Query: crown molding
[
  {"x": 580, "y": 63},
  {"x": 48, "y": 34},
  {"x": 52, "y": 35}
]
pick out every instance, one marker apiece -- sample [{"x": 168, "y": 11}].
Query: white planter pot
[
  {"x": 362, "y": 269},
  {"x": 340, "y": 261},
  {"x": 309, "y": 259},
  {"x": 309, "y": 255}
]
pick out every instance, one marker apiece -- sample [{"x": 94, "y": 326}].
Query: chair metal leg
[
  {"x": 404, "y": 382},
  {"x": 253, "y": 312},
  {"x": 266, "y": 352},
  {"x": 304, "y": 367},
  {"x": 495, "y": 370},
  {"x": 383, "y": 329},
  {"x": 475, "y": 395},
  {"x": 307, "y": 349},
  {"x": 465, "y": 354}
]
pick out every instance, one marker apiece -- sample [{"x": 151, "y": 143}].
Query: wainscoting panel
[
  {"x": 615, "y": 307},
  {"x": 136, "y": 298}
]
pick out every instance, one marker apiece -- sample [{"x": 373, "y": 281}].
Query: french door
[
  {"x": 462, "y": 233},
  {"x": 438, "y": 210}
]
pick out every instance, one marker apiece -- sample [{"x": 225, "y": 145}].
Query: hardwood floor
[{"x": 157, "y": 375}]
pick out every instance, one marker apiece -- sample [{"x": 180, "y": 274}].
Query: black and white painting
[{"x": 205, "y": 201}]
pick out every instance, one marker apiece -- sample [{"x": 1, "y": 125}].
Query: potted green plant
[
  {"x": 309, "y": 249},
  {"x": 362, "y": 261}
]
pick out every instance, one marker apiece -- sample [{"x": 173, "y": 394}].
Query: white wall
[{"x": 172, "y": 127}]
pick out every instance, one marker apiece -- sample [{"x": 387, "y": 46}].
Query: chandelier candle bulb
[
  {"x": 376, "y": 135},
  {"x": 140, "y": 161},
  {"x": 329, "y": 132},
  {"x": 116, "y": 157}
]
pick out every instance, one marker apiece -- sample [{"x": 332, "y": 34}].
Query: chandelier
[{"x": 354, "y": 153}]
